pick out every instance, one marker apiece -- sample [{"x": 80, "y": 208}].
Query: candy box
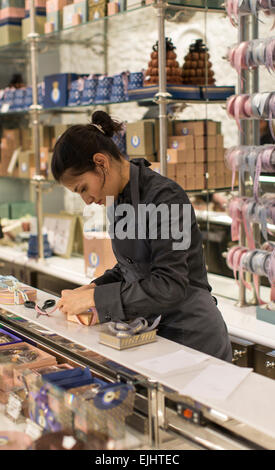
[
  {"x": 23, "y": 378},
  {"x": 104, "y": 410},
  {"x": 48, "y": 405},
  {"x": 8, "y": 338},
  {"x": 20, "y": 356}
]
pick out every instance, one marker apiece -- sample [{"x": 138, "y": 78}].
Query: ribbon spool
[{"x": 137, "y": 326}]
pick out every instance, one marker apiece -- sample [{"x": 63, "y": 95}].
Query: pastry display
[
  {"x": 173, "y": 70},
  {"x": 197, "y": 68}
]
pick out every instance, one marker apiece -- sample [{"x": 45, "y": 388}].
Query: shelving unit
[{"x": 95, "y": 35}]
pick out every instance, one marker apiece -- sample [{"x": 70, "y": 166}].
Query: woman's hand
[{"x": 76, "y": 301}]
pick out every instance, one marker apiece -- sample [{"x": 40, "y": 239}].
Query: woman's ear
[{"x": 101, "y": 160}]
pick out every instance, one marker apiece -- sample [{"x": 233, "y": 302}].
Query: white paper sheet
[
  {"x": 175, "y": 361},
  {"x": 216, "y": 382}
]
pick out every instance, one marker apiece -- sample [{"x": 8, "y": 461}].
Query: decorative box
[
  {"x": 81, "y": 8},
  {"x": 140, "y": 138},
  {"x": 113, "y": 8},
  {"x": 12, "y": 12},
  {"x": 56, "y": 5},
  {"x": 135, "y": 80},
  {"x": 9, "y": 95},
  {"x": 103, "y": 410},
  {"x": 110, "y": 339},
  {"x": 57, "y": 89},
  {"x": 97, "y": 12},
  {"x": 119, "y": 91},
  {"x": 76, "y": 91},
  {"x": 68, "y": 13},
  {"x": 56, "y": 18},
  {"x": 20, "y": 356},
  {"x": 12, "y": 298},
  {"x": 19, "y": 98},
  {"x": 103, "y": 91},
  {"x": 8, "y": 338},
  {"x": 89, "y": 89},
  {"x": 120, "y": 140}
]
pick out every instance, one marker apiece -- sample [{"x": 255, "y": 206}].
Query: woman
[{"x": 150, "y": 277}]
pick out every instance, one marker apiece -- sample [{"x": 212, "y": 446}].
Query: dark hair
[{"x": 75, "y": 148}]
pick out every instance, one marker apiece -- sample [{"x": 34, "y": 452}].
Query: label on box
[
  {"x": 175, "y": 144},
  {"x": 33, "y": 430},
  {"x": 94, "y": 259},
  {"x": 135, "y": 141},
  {"x": 14, "y": 406}
]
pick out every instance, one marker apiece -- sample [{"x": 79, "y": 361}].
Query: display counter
[
  {"x": 241, "y": 322},
  {"x": 230, "y": 423}
]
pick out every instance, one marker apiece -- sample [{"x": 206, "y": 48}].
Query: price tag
[
  {"x": 5, "y": 107},
  {"x": 33, "y": 430},
  {"x": 14, "y": 406}
]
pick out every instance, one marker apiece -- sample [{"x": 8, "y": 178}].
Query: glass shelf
[
  {"x": 91, "y": 32},
  {"x": 89, "y": 108}
]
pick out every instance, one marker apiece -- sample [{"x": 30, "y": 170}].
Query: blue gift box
[
  {"x": 8, "y": 97},
  {"x": 135, "y": 80},
  {"x": 19, "y": 97},
  {"x": 103, "y": 90},
  {"x": 75, "y": 93},
  {"x": 119, "y": 91},
  {"x": 89, "y": 90},
  {"x": 57, "y": 88}
]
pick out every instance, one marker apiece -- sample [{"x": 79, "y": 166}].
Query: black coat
[{"x": 150, "y": 278}]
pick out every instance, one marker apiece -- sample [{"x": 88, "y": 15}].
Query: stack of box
[
  {"x": 40, "y": 18},
  {"x": 11, "y": 14},
  {"x": 142, "y": 139},
  {"x": 198, "y": 151},
  {"x": 96, "y": 9},
  {"x": 75, "y": 13}
]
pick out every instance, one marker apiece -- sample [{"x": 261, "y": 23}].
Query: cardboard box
[
  {"x": 37, "y": 4},
  {"x": 94, "y": 3},
  {"x": 44, "y": 158},
  {"x": 200, "y": 181},
  {"x": 196, "y": 127},
  {"x": 139, "y": 138},
  {"x": 10, "y": 33},
  {"x": 204, "y": 155},
  {"x": 181, "y": 142},
  {"x": 156, "y": 131},
  {"x": 12, "y": 12},
  {"x": 220, "y": 168},
  {"x": 220, "y": 181},
  {"x": 98, "y": 256},
  {"x": 25, "y": 161},
  {"x": 57, "y": 88},
  {"x": 220, "y": 154},
  {"x": 190, "y": 183},
  {"x": 207, "y": 141},
  {"x": 13, "y": 138},
  {"x": 40, "y": 21},
  {"x": 68, "y": 13},
  {"x": 180, "y": 156},
  {"x": 211, "y": 182},
  {"x": 219, "y": 141}
]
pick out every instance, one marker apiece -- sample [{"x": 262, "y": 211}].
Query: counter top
[
  {"x": 240, "y": 322},
  {"x": 254, "y": 393}
]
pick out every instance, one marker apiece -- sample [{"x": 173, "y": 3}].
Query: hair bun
[{"x": 109, "y": 125}]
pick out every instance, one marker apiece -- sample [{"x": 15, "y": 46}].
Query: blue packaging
[
  {"x": 57, "y": 88},
  {"x": 75, "y": 93},
  {"x": 135, "y": 80},
  {"x": 104, "y": 88},
  {"x": 19, "y": 98},
  {"x": 89, "y": 90}
]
